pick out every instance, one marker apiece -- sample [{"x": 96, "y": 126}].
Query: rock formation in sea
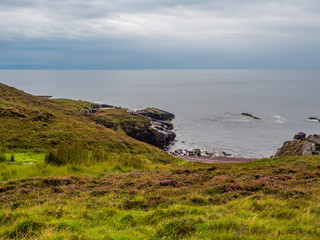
[
  {"x": 250, "y": 115},
  {"x": 300, "y": 146},
  {"x": 314, "y": 119}
]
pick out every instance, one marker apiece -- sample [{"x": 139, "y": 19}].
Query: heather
[{"x": 266, "y": 199}]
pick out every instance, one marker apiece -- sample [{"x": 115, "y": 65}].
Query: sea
[{"x": 208, "y": 104}]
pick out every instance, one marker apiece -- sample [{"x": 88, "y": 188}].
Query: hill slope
[{"x": 38, "y": 124}]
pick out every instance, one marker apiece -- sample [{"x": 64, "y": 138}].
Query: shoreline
[{"x": 219, "y": 159}]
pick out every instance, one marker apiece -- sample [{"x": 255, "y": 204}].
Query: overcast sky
[{"x": 153, "y": 34}]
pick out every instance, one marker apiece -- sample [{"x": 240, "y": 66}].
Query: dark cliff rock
[
  {"x": 300, "y": 136},
  {"x": 156, "y": 113},
  {"x": 160, "y": 127},
  {"x": 300, "y": 146},
  {"x": 150, "y": 125}
]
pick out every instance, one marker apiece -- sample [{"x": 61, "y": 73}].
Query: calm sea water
[{"x": 207, "y": 103}]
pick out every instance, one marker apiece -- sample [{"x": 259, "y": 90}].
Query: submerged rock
[
  {"x": 314, "y": 118},
  {"x": 250, "y": 115}
]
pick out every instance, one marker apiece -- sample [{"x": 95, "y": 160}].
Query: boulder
[
  {"x": 314, "y": 138},
  {"x": 300, "y": 136},
  {"x": 225, "y": 154},
  {"x": 195, "y": 152},
  {"x": 307, "y": 149}
]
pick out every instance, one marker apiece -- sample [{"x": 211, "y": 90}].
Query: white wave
[
  {"x": 313, "y": 120},
  {"x": 242, "y": 119},
  {"x": 280, "y": 119}
]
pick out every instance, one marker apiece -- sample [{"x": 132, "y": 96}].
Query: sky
[{"x": 159, "y": 34}]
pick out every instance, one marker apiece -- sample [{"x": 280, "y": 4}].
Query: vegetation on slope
[
  {"x": 119, "y": 119},
  {"x": 62, "y": 176},
  {"x": 267, "y": 199},
  {"x": 36, "y": 124}
]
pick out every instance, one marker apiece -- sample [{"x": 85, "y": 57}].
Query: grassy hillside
[
  {"x": 267, "y": 199},
  {"x": 63, "y": 176},
  {"x": 36, "y": 124}
]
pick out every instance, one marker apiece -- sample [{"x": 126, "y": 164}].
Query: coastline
[{"x": 219, "y": 159}]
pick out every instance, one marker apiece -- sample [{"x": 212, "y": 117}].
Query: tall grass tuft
[
  {"x": 79, "y": 155},
  {"x": 3, "y": 157},
  {"x": 69, "y": 154},
  {"x": 26, "y": 228}
]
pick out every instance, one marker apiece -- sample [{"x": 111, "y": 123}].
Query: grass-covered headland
[{"x": 63, "y": 176}]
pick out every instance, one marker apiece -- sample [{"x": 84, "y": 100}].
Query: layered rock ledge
[
  {"x": 159, "y": 126},
  {"x": 150, "y": 125}
]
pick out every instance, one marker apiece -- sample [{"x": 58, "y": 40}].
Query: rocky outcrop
[
  {"x": 155, "y": 113},
  {"x": 196, "y": 152},
  {"x": 311, "y": 146},
  {"x": 160, "y": 135},
  {"x": 300, "y": 146},
  {"x": 160, "y": 127},
  {"x": 250, "y": 115},
  {"x": 290, "y": 148},
  {"x": 150, "y": 125}
]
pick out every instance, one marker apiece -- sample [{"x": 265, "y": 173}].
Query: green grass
[
  {"x": 3, "y": 157},
  {"x": 266, "y": 199},
  {"x": 31, "y": 164}
]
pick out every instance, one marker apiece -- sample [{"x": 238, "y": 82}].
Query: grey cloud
[
  {"x": 138, "y": 33},
  {"x": 17, "y": 3}
]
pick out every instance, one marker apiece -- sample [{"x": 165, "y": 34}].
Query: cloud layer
[{"x": 170, "y": 34}]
